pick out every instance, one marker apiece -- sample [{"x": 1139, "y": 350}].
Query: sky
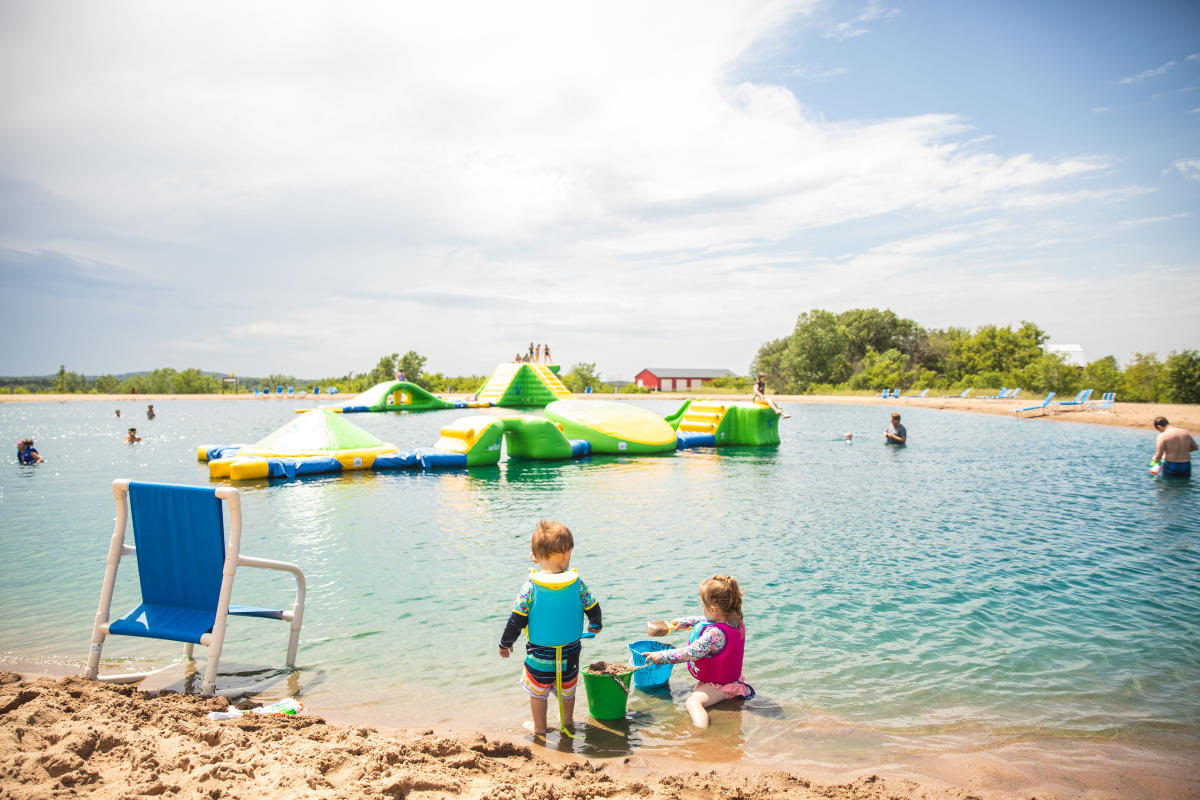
[{"x": 301, "y": 188}]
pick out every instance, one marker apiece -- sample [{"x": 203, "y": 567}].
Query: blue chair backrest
[{"x": 180, "y": 538}]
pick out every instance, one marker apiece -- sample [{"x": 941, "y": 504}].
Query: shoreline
[
  {"x": 69, "y": 735},
  {"x": 1122, "y": 415}
]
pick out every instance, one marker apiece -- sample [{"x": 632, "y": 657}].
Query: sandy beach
[
  {"x": 70, "y": 737},
  {"x": 1121, "y": 415}
]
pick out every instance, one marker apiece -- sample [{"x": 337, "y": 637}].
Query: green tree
[
  {"x": 881, "y": 370},
  {"x": 107, "y": 384},
  {"x": 769, "y": 360},
  {"x": 1143, "y": 379},
  {"x": 1103, "y": 375},
  {"x": 385, "y": 370},
  {"x": 1050, "y": 372},
  {"x": 872, "y": 329},
  {"x": 996, "y": 349},
  {"x": 581, "y": 377},
  {"x": 1183, "y": 377},
  {"x": 816, "y": 351},
  {"x": 413, "y": 364}
]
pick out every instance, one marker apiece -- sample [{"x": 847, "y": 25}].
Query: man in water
[
  {"x": 1175, "y": 447},
  {"x": 896, "y": 433}
]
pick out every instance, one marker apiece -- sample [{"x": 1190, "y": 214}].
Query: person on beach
[
  {"x": 714, "y": 654},
  {"x": 27, "y": 453},
  {"x": 546, "y": 353},
  {"x": 895, "y": 433},
  {"x": 132, "y": 436},
  {"x": 150, "y": 412},
  {"x": 550, "y": 609},
  {"x": 1174, "y": 449},
  {"x": 760, "y": 395}
]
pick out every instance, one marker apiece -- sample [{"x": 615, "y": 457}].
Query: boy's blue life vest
[{"x": 556, "y": 612}]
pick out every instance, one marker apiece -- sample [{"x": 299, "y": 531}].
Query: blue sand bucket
[{"x": 655, "y": 674}]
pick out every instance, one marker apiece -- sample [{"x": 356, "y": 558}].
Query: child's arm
[
  {"x": 591, "y": 607},
  {"x": 595, "y": 621},
  {"x": 709, "y": 643},
  {"x": 662, "y": 627},
  {"x": 517, "y": 621}
]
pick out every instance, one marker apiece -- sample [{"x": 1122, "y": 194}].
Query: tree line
[
  {"x": 870, "y": 349},
  {"x": 857, "y": 350}
]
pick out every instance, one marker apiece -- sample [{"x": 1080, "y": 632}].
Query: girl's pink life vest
[{"x": 725, "y": 666}]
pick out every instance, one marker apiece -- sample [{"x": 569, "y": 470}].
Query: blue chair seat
[{"x": 185, "y": 572}]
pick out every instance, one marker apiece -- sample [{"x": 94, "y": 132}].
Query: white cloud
[
  {"x": 1189, "y": 168},
  {"x": 1101, "y": 109},
  {"x": 1134, "y": 223},
  {"x": 1194, "y": 58},
  {"x": 456, "y": 179},
  {"x": 816, "y": 74},
  {"x": 874, "y": 11},
  {"x": 1145, "y": 74}
]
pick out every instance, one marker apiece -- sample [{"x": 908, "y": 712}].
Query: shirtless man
[{"x": 1175, "y": 447}]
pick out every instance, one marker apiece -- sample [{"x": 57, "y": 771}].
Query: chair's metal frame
[{"x": 214, "y": 640}]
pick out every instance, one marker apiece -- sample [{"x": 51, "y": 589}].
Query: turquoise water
[{"x": 997, "y": 579}]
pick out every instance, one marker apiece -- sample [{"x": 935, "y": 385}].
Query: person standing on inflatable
[
  {"x": 714, "y": 655},
  {"x": 1174, "y": 450},
  {"x": 550, "y": 608}
]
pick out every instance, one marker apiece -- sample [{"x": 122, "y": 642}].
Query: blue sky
[{"x": 301, "y": 188}]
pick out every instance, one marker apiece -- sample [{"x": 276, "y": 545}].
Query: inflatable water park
[
  {"x": 323, "y": 441},
  {"x": 514, "y": 385}
]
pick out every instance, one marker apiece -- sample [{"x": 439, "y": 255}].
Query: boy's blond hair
[
  {"x": 722, "y": 593},
  {"x": 550, "y": 537}
]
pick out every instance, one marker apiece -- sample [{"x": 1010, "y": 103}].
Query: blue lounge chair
[
  {"x": 1013, "y": 394},
  {"x": 1106, "y": 402},
  {"x": 886, "y": 394},
  {"x": 965, "y": 392},
  {"x": 186, "y": 571},
  {"x": 1079, "y": 401},
  {"x": 922, "y": 394},
  {"x": 1003, "y": 394},
  {"x": 1040, "y": 405}
]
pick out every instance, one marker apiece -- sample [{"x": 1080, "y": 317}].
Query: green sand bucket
[{"x": 606, "y": 694}]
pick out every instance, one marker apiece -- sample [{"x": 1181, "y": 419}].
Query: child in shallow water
[{"x": 714, "y": 654}]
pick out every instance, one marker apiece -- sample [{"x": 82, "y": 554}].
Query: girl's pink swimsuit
[{"x": 711, "y": 656}]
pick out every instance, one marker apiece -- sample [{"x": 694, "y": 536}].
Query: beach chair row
[
  {"x": 1081, "y": 401},
  {"x": 291, "y": 392},
  {"x": 891, "y": 394}
]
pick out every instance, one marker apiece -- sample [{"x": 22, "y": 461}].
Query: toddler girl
[{"x": 714, "y": 654}]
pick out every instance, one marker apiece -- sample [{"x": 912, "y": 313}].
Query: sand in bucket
[
  {"x": 607, "y": 687},
  {"x": 654, "y": 674}
]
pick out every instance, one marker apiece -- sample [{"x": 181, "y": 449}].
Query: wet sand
[{"x": 70, "y": 737}]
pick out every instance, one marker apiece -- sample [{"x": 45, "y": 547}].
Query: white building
[{"x": 1072, "y": 353}]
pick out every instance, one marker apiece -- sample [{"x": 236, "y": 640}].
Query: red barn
[{"x": 677, "y": 380}]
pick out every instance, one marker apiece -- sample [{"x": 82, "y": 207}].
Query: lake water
[{"x": 995, "y": 581}]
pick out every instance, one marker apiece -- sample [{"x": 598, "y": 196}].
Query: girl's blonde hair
[{"x": 722, "y": 593}]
